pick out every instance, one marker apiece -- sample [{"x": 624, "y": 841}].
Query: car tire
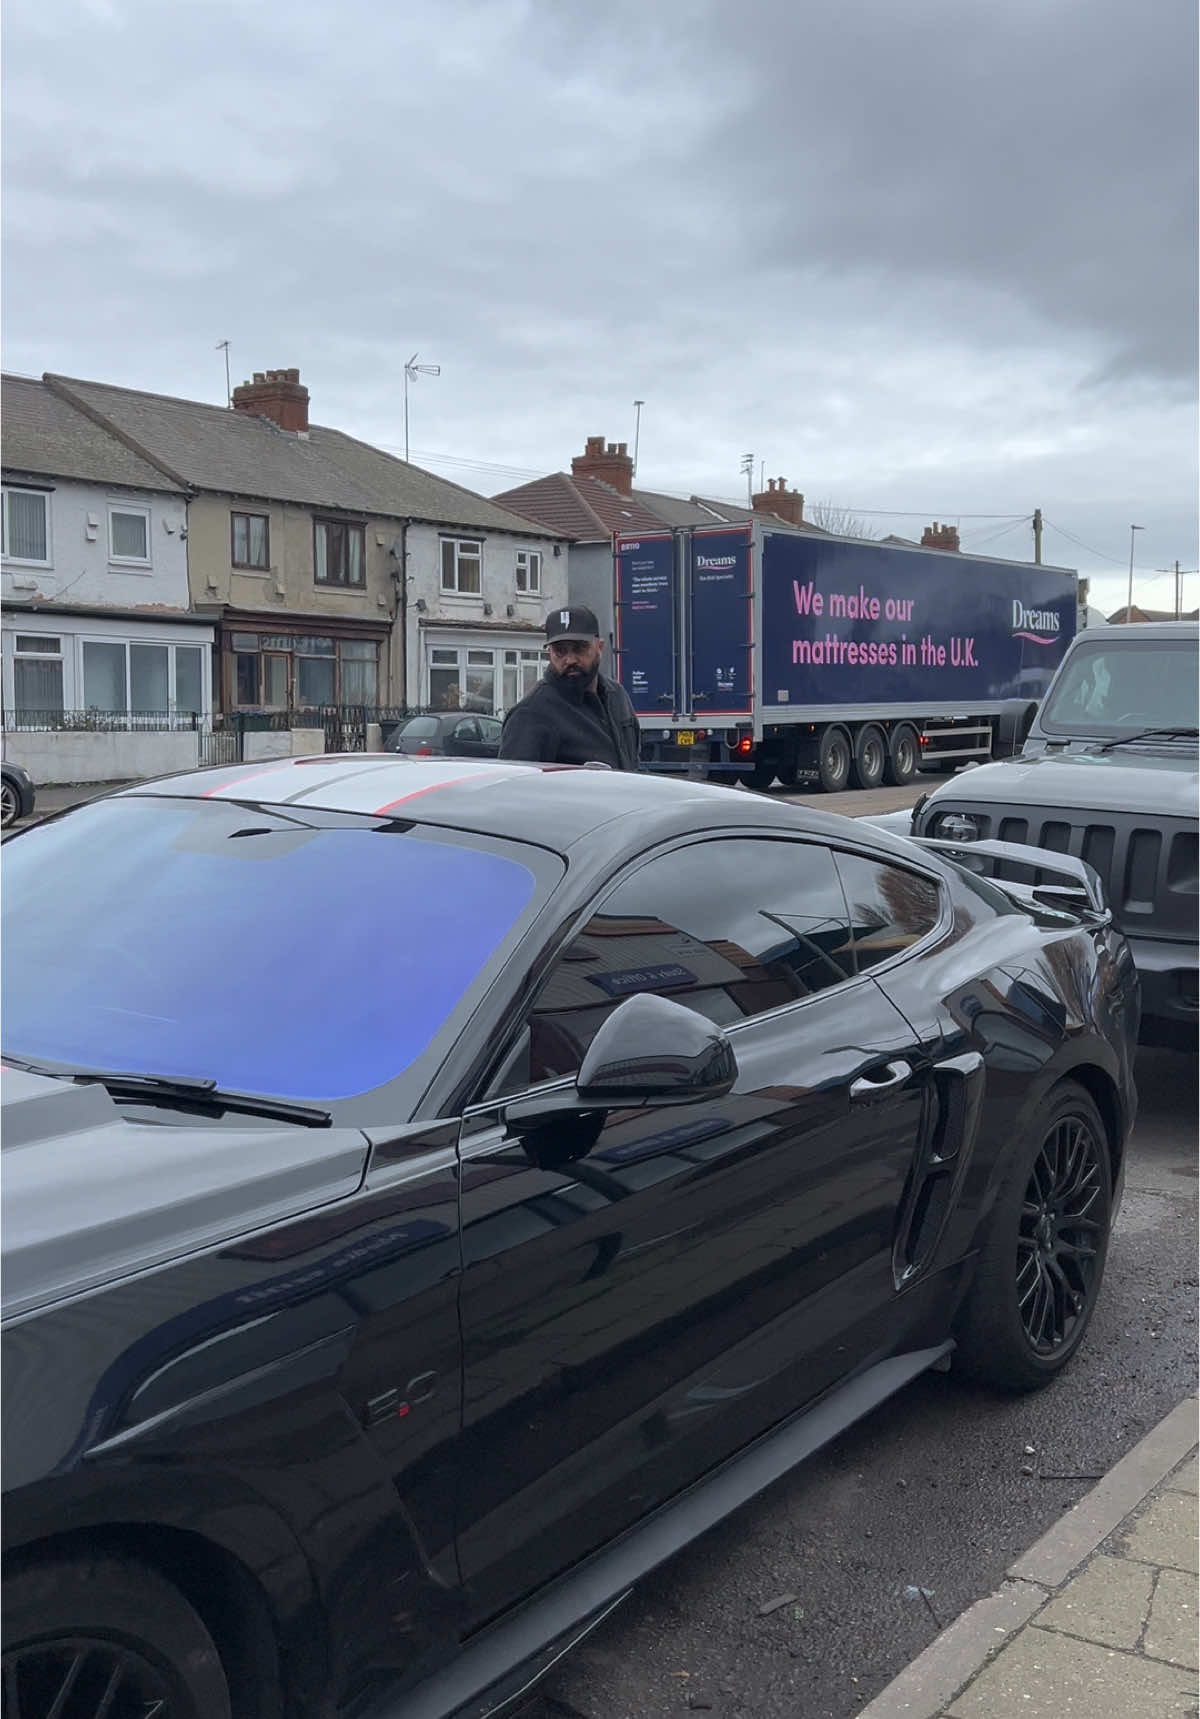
[
  {"x": 870, "y": 757},
  {"x": 125, "y": 1620},
  {"x": 1041, "y": 1260},
  {"x": 904, "y": 756},
  {"x": 10, "y": 804},
  {"x": 834, "y": 757}
]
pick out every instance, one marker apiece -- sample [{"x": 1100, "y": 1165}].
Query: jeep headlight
[{"x": 955, "y": 827}]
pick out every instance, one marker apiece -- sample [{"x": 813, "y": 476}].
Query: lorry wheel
[
  {"x": 870, "y": 757},
  {"x": 904, "y": 757},
  {"x": 833, "y": 759},
  {"x": 761, "y": 777}
]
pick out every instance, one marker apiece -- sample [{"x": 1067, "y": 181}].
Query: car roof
[
  {"x": 1139, "y": 630},
  {"x": 554, "y": 805}
]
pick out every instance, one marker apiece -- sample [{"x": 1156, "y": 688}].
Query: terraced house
[
  {"x": 98, "y": 628},
  {"x": 334, "y": 574}
]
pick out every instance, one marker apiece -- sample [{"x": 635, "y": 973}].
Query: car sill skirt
[{"x": 499, "y": 1664}]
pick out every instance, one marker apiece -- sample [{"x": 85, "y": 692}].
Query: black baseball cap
[{"x": 571, "y": 624}]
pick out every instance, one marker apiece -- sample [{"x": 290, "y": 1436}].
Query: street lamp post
[
  {"x": 637, "y": 432},
  {"x": 1129, "y": 604},
  {"x": 411, "y": 371}
]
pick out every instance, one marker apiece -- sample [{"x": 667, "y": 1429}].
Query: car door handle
[{"x": 888, "y": 1078}]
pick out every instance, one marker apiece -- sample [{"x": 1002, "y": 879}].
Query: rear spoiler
[{"x": 1083, "y": 894}]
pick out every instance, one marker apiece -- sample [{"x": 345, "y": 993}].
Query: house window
[
  {"x": 37, "y": 673},
  {"x": 339, "y": 552},
  {"x": 283, "y": 671},
  {"x": 105, "y": 685},
  {"x": 250, "y": 540},
  {"x": 129, "y": 534},
  {"x": 189, "y": 679},
  {"x": 123, "y": 676},
  {"x": 529, "y": 572},
  {"x": 462, "y": 561},
  {"x": 26, "y": 526},
  {"x": 522, "y": 671}
]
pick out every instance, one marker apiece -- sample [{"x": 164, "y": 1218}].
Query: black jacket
[{"x": 559, "y": 722}]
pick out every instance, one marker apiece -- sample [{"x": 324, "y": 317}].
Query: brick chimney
[
  {"x": 937, "y": 536},
  {"x": 612, "y": 464},
  {"x": 786, "y": 504},
  {"x": 275, "y": 394}
]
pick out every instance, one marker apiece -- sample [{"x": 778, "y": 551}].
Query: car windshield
[
  {"x": 248, "y": 947},
  {"x": 420, "y": 728},
  {"x": 1110, "y": 690}
]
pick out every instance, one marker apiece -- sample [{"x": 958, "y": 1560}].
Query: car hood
[
  {"x": 90, "y": 1195},
  {"x": 1157, "y": 784}
]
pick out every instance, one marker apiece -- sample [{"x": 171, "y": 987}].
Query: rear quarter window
[{"x": 890, "y": 907}]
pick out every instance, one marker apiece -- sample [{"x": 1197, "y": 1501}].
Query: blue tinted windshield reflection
[{"x": 203, "y": 939}]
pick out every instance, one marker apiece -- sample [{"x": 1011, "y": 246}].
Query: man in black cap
[{"x": 575, "y": 715}]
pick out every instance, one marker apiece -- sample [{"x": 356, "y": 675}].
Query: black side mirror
[
  {"x": 654, "y": 1051},
  {"x": 649, "y": 1051}
]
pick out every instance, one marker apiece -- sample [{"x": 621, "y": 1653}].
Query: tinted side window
[
  {"x": 730, "y": 928},
  {"x": 890, "y": 908},
  {"x": 468, "y": 729}
]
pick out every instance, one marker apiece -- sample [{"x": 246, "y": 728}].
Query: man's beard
[{"x": 575, "y": 680}]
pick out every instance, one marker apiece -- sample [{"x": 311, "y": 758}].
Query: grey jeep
[{"x": 1109, "y": 774}]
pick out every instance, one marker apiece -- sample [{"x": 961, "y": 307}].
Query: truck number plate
[{"x": 685, "y": 737}]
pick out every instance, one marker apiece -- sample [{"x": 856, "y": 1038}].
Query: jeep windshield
[{"x": 1108, "y": 691}]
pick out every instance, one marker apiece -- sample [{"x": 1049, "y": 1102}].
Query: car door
[
  {"x": 465, "y": 739},
  {"x": 672, "y": 1284}
]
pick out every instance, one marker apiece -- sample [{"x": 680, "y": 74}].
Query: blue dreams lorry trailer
[{"x": 756, "y": 652}]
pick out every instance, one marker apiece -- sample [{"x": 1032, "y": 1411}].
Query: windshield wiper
[
  {"x": 1152, "y": 734},
  {"x": 185, "y": 1088}
]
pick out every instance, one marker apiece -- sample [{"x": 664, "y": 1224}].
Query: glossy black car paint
[{"x": 358, "y": 1431}]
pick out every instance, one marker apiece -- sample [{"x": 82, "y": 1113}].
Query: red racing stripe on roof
[{"x": 433, "y": 788}]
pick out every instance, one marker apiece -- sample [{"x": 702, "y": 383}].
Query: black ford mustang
[{"x": 434, "y": 1192}]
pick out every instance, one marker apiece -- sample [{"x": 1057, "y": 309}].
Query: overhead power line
[{"x": 1117, "y": 560}]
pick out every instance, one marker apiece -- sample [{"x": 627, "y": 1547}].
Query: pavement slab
[
  {"x": 1171, "y": 1631},
  {"x": 1108, "y": 1602},
  {"x": 1163, "y": 1534},
  {"x": 1044, "y": 1675}
]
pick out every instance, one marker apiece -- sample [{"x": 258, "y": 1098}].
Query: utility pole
[
  {"x": 1129, "y": 604},
  {"x": 1037, "y": 536},
  {"x": 1180, "y": 573},
  {"x": 637, "y": 433}
]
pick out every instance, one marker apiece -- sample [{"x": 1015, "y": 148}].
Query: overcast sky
[{"x": 937, "y": 258}]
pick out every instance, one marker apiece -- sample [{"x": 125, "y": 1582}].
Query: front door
[{"x": 642, "y": 1301}]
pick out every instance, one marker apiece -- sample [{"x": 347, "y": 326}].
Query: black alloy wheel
[
  {"x": 1043, "y": 1248},
  {"x": 105, "y": 1638},
  {"x": 82, "y": 1677},
  {"x": 1059, "y": 1240}
]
